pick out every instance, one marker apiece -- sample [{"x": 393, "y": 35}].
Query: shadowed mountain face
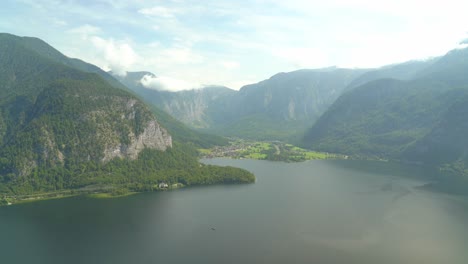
[
  {"x": 421, "y": 119},
  {"x": 278, "y": 108},
  {"x": 447, "y": 141}
]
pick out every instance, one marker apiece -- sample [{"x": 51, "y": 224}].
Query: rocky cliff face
[
  {"x": 154, "y": 137},
  {"x": 199, "y": 108},
  {"x": 81, "y": 121}
]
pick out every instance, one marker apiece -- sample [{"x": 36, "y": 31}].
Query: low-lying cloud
[
  {"x": 118, "y": 56},
  {"x": 164, "y": 83},
  {"x": 109, "y": 54}
]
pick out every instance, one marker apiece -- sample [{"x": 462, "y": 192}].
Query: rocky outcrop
[
  {"x": 110, "y": 126},
  {"x": 154, "y": 137}
]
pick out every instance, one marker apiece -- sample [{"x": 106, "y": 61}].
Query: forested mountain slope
[
  {"x": 61, "y": 127},
  {"x": 421, "y": 120}
]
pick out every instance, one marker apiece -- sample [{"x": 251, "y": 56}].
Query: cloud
[
  {"x": 107, "y": 53},
  {"x": 164, "y": 83},
  {"x": 302, "y": 57},
  {"x": 159, "y": 11},
  {"x": 181, "y": 55},
  {"x": 118, "y": 56},
  {"x": 205, "y": 42},
  {"x": 85, "y": 31},
  {"x": 463, "y": 44},
  {"x": 230, "y": 65},
  {"x": 59, "y": 22},
  {"x": 236, "y": 85}
]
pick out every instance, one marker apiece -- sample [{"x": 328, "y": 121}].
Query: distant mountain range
[
  {"x": 282, "y": 107},
  {"x": 65, "y": 123},
  {"x": 413, "y": 111}
]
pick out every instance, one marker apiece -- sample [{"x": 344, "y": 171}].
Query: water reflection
[{"x": 311, "y": 212}]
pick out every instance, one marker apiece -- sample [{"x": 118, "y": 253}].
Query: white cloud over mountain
[
  {"x": 229, "y": 42},
  {"x": 164, "y": 83}
]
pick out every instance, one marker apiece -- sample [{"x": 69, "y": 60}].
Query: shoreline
[{"x": 104, "y": 194}]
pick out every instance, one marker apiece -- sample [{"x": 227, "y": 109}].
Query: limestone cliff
[
  {"x": 80, "y": 121},
  {"x": 154, "y": 137}
]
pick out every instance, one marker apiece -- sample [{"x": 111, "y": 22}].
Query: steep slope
[
  {"x": 381, "y": 118},
  {"x": 54, "y": 114},
  {"x": 61, "y": 127},
  {"x": 450, "y": 69},
  {"x": 278, "y": 108},
  {"x": 76, "y": 121},
  {"x": 192, "y": 107},
  {"x": 46, "y": 51},
  {"x": 283, "y": 106},
  {"x": 446, "y": 143},
  {"x": 402, "y": 71},
  {"x": 296, "y": 95},
  {"x": 197, "y": 108},
  {"x": 178, "y": 106},
  {"x": 186, "y": 135},
  {"x": 387, "y": 118}
]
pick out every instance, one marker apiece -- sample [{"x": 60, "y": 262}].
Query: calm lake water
[{"x": 311, "y": 212}]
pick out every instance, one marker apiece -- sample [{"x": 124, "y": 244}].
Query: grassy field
[{"x": 265, "y": 150}]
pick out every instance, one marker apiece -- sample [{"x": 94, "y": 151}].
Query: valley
[
  {"x": 207, "y": 132},
  {"x": 78, "y": 127}
]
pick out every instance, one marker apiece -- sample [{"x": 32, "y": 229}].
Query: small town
[{"x": 263, "y": 150}]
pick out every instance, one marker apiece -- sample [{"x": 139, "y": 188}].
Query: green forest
[
  {"x": 176, "y": 165},
  {"x": 61, "y": 120}
]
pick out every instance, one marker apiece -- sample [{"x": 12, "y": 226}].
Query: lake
[{"x": 311, "y": 212}]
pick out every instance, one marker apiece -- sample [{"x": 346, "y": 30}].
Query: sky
[{"x": 192, "y": 43}]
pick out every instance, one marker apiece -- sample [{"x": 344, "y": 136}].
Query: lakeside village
[{"x": 264, "y": 150}]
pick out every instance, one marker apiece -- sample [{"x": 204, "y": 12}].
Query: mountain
[
  {"x": 446, "y": 142},
  {"x": 54, "y": 114},
  {"x": 402, "y": 71},
  {"x": 178, "y": 107},
  {"x": 381, "y": 118},
  {"x": 192, "y": 107},
  {"x": 451, "y": 68},
  {"x": 284, "y": 105},
  {"x": 278, "y": 108},
  {"x": 46, "y": 51},
  {"x": 421, "y": 119},
  {"x": 64, "y": 125}
]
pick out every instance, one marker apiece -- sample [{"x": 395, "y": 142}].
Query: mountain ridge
[
  {"x": 284, "y": 103},
  {"x": 418, "y": 120},
  {"x": 62, "y": 128}
]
